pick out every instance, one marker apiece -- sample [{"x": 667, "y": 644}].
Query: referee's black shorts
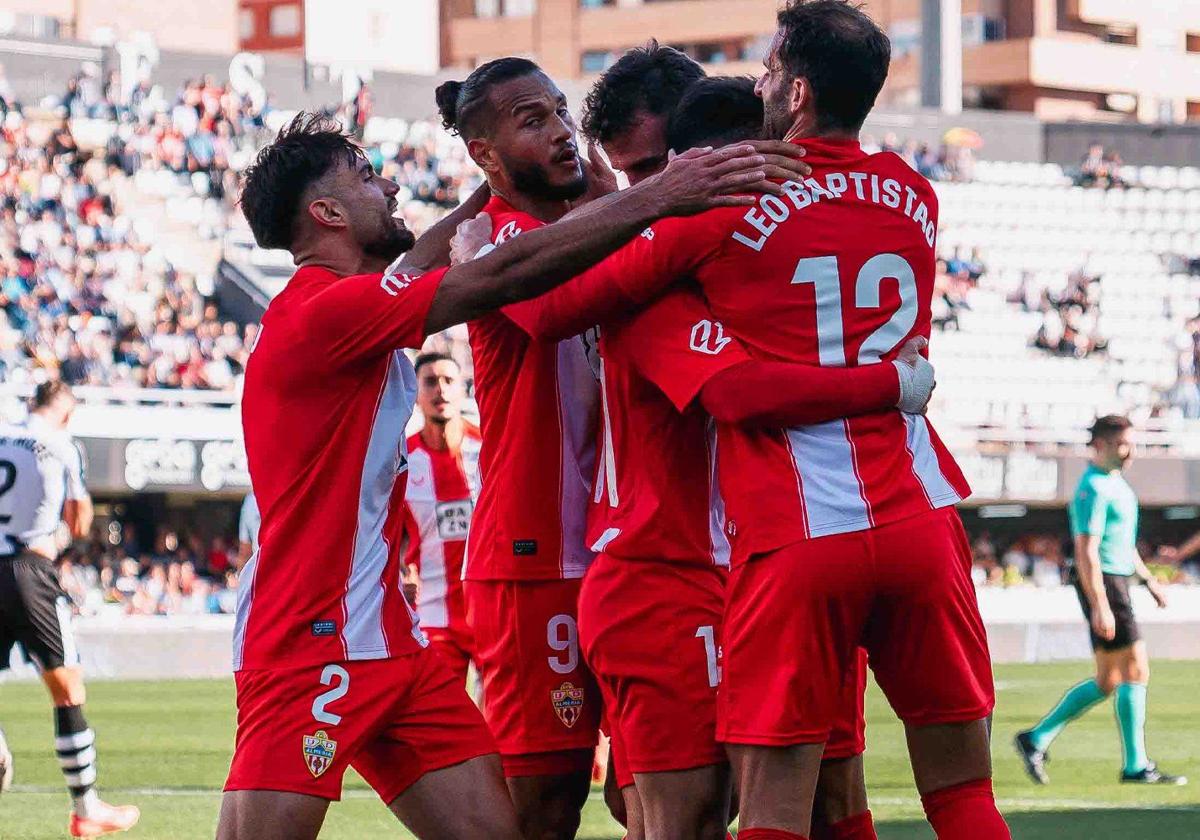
[
  {"x": 35, "y": 613},
  {"x": 1116, "y": 589}
]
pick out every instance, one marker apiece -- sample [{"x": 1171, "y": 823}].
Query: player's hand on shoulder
[
  {"x": 784, "y": 161},
  {"x": 470, "y": 238},
  {"x": 701, "y": 179},
  {"x": 917, "y": 376}
]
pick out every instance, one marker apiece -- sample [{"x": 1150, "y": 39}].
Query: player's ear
[
  {"x": 799, "y": 96},
  {"x": 483, "y": 152},
  {"x": 328, "y": 212}
]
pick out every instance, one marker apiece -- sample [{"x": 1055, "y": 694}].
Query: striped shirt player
[
  {"x": 837, "y": 273},
  {"x": 41, "y": 487},
  {"x": 443, "y": 484},
  {"x": 526, "y": 552}
]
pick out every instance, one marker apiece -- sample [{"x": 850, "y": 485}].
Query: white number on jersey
[
  {"x": 822, "y": 272},
  {"x": 563, "y": 635},
  {"x": 710, "y": 652},
  {"x": 336, "y": 693}
]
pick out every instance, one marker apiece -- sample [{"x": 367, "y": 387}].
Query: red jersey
[
  {"x": 656, "y": 495},
  {"x": 327, "y": 395},
  {"x": 537, "y": 404},
  {"x": 837, "y": 272},
  {"x": 442, "y": 487}
]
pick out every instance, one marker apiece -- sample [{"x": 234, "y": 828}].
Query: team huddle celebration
[{"x": 701, "y": 503}]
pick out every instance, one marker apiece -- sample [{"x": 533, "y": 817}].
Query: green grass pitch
[{"x": 165, "y": 746}]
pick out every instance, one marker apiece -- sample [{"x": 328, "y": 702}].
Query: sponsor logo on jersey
[
  {"x": 524, "y": 548},
  {"x": 507, "y": 232},
  {"x": 709, "y": 337},
  {"x": 318, "y": 752},
  {"x": 394, "y": 284},
  {"x": 567, "y": 701},
  {"x": 454, "y": 519}
]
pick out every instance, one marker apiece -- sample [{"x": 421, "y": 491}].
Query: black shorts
[
  {"x": 35, "y": 613},
  {"x": 1116, "y": 589}
]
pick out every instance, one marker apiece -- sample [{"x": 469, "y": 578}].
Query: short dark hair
[
  {"x": 1109, "y": 426},
  {"x": 462, "y": 105},
  {"x": 302, "y": 153},
  {"x": 842, "y": 53},
  {"x": 432, "y": 358},
  {"x": 650, "y": 78},
  {"x": 715, "y": 112},
  {"x": 49, "y": 391}
]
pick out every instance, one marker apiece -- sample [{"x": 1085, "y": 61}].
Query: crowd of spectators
[
  {"x": 943, "y": 162},
  {"x": 1100, "y": 168},
  {"x": 88, "y": 294},
  {"x": 180, "y": 574},
  {"x": 1070, "y": 319},
  {"x": 1044, "y": 560}
]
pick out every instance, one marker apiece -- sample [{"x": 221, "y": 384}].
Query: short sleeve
[
  {"x": 360, "y": 318},
  {"x": 1089, "y": 509},
  {"x": 677, "y": 344},
  {"x": 76, "y": 484}
]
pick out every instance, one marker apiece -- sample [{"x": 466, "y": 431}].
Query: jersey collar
[{"x": 829, "y": 149}]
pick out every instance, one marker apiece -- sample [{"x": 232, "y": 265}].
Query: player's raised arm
[{"x": 539, "y": 260}]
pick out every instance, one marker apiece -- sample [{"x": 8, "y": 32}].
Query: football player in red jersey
[
  {"x": 443, "y": 483},
  {"x": 332, "y": 668},
  {"x": 526, "y": 551},
  {"x": 658, "y": 520},
  {"x": 627, "y": 109},
  {"x": 843, "y": 533}
]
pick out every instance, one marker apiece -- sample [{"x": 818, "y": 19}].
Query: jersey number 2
[
  {"x": 822, "y": 273},
  {"x": 331, "y": 673}
]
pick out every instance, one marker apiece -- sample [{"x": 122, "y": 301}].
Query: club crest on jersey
[
  {"x": 318, "y": 752},
  {"x": 567, "y": 701}
]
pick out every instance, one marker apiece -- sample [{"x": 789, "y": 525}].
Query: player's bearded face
[
  {"x": 775, "y": 89},
  {"x": 535, "y": 179},
  {"x": 382, "y": 235},
  {"x": 534, "y": 141}
]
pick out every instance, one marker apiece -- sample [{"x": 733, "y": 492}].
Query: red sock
[
  {"x": 768, "y": 834},
  {"x": 965, "y": 812},
  {"x": 858, "y": 827}
]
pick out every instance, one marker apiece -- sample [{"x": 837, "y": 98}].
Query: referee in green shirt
[{"x": 1104, "y": 521}]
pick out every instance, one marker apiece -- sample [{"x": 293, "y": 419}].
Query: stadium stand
[{"x": 128, "y": 270}]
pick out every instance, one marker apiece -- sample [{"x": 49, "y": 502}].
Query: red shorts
[
  {"x": 456, "y": 647},
  {"x": 392, "y": 720},
  {"x": 795, "y": 616},
  {"x": 539, "y": 699},
  {"x": 650, "y": 631}
]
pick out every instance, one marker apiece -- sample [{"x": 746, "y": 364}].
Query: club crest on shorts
[
  {"x": 318, "y": 752},
  {"x": 567, "y": 701}
]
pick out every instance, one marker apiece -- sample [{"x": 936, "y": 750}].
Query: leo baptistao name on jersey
[{"x": 763, "y": 219}]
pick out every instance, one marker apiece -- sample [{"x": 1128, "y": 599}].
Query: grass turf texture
[{"x": 165, "y": 746}]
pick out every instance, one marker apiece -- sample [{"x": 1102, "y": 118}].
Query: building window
[
  {"x": 1193, "y": 108},
  {"x": 1193, "y": 42},
  {"x": 596, "y": 61},
  {"x": 246, "y": 24},
  {"x": 596, "y": 4},
  {"x": 284, "y": 22}
]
